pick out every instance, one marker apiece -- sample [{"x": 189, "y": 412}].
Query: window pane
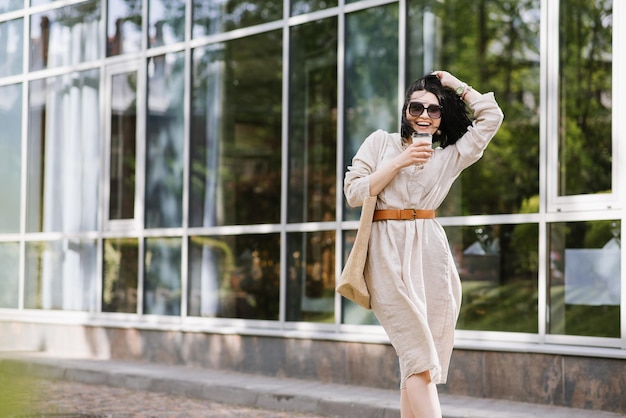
[
  {"x": 311, "y": 277},
  {"x": 166, "y": 22},
  {"x": 234, "y": 276},
  {"x": 11, "y": 46},
  {"x": 498, "y": 265},
  {"x": 39, "y": 2},
  {"x": 9, "y": 274},
  {"x": 235, "y": 157},
  {"x": 211, "y": 17},
  {"x": 123, "y": 152},
  {"x": 61, "y": 275},
  {"x": 66, "y": 36},
  {"x": 119, "y": 275},
  {"x": 63, "y": 153},
  {"x": 162, "y": 285},
  {"x": 585, "y": 83},
  {"x": 313, "y": 122},
  {"x": 353, "y": 313},
  {"x": 10, "y": 157},
  {"x": 10, "y": 5},
  {"x": 496, "y": 50},
  {"x": 585, "y": 275},
  {"x": 124, "y": 27},
  {"x": 165, "y": 141},
  {"x": 299, "y": 7},
  {"x": 371, "y": 74}
]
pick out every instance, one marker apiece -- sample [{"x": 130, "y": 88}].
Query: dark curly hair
[{"x": 455, "y": 115}]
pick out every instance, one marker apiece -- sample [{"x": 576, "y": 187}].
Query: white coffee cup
[{"x": 421, "y": 137}]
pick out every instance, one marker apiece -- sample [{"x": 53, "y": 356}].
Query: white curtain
[
  {"x": 71, "y": 161},
  {"x": 78, "y": 42},
  {"x": 210, "y": 273}
]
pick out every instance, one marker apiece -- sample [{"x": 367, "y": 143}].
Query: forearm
[
  {"x": 383, "y": 176},
  {"x": 488, "y": 118},
  {"x": 470, "y": 94},
  {"x": 415, "y": 154}
]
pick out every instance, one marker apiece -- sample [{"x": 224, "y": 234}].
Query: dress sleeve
[
  {"x": 357, "y": 179},
  {"x": 488, "y": 118}
]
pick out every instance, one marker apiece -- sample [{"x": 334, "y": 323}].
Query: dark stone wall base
[{"x": 553, "y": 379}]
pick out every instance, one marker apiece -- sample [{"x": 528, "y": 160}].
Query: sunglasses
[{"x": 417, "y": 108}]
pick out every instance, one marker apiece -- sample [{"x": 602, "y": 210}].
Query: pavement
[{"x": 181, "y": 390}]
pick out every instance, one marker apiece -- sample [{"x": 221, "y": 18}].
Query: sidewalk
[{"x": 331, "y": 400}]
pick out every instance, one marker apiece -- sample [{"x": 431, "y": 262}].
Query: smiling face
[{"x": 424, "y": 123}]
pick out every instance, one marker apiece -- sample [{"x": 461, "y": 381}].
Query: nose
[{"x": 424, "y": 111}]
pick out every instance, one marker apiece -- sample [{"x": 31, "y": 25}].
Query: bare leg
[
  {"x": 405, "y": 406},
  {"x": 421, "y": 396}
]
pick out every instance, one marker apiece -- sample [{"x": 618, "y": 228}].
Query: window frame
[
  {"x": 581, "y": 202},
  {"x": 137, "y": 222}
]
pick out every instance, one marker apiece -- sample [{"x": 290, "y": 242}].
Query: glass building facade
[{"x": 181, "y": 162}]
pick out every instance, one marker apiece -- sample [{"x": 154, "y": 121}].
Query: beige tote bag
[{"x": 351, "y": 284}]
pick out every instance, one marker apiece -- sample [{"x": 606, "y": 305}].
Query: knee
[{"x": 422, "y": 379}]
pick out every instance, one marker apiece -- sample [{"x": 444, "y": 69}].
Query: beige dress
[{"x": 413, "y": 281}]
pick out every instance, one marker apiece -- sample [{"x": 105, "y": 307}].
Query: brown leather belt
[{"x": 403, "y": 214}]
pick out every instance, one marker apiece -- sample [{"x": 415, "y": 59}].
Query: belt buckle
[{"x": 414, "y": 215}]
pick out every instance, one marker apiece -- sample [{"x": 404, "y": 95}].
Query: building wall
[
  {"x": 172, "y": 178},
  {"x": 553, "y": 379}
]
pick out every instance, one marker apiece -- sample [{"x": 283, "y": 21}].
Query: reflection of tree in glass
[
  {"x": 79, "y": 13},
  {"x": 133, "y": 11},
  {"x": 119, "y": 293},
  {"x": 172, "y": 18},
  {"x": 312, "y": 122},
  {"x": 494, "y": 44},
  {"x": 237, "y": 107},
  {"x": 498, "y": 268},
  {"x": 585, "y": 93},
  {"x": 371, "y": 75},
  {"x": 224, "y": 15}
]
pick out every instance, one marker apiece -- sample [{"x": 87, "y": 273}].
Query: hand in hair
[
  {"x": 451, "y": 82},
  {"x": 447, "y": 79}
]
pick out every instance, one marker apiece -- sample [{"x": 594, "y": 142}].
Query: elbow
[
  {"x": 353, "y": 201},
  {"x": 356, "y": 190},
  {"x": 353, "y": 197},
  {"x": 500, "y": 117}
]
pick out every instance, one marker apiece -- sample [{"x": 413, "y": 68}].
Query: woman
[{"x": 414, "y": 284}]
